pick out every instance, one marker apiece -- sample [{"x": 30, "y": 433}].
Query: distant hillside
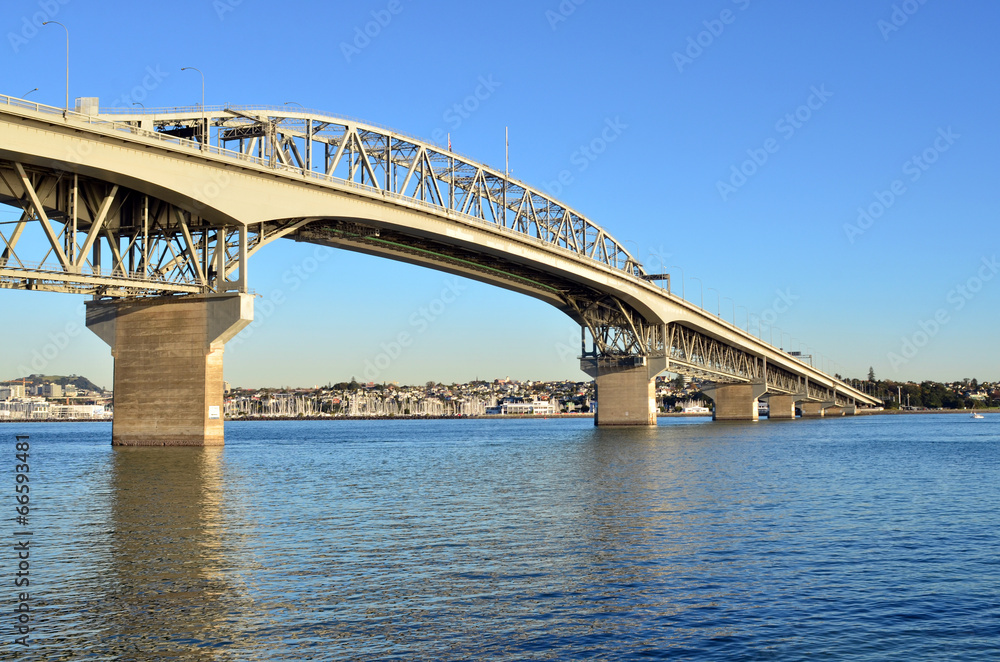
[{"x": 79, "y": 381}]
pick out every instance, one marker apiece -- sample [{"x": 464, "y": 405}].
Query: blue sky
[{"x": 822, "y": 105}]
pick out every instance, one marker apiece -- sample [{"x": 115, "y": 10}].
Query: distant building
[
  {"x": 52, "y": 391},
  {"x": 11, "y": 392},
  {"x": 513, "y": 407}
]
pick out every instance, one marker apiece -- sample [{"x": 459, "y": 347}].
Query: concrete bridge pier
[
  {"x": 626, "y": 389},
  {"x": 735, "y": 402},
  {"x": 168, "y": 365},
  {"x": 815, "y": 409},
  {"x": 782, "y": 406}
]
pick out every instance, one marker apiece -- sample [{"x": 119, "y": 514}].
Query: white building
[{"x": 527, "y": 408}]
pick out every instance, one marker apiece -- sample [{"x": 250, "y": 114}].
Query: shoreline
[{"x": 885, "y": 412}]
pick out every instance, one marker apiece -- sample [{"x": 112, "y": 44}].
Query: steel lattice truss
[
  {"x": 393, "y": 164},
  {"x": 85, "y": 236},
  {"x": 616, "y": 329},
  {"x": 700, "y": 355}
]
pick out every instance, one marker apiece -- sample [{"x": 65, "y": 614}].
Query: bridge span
[{"x": 156, "y": 215}]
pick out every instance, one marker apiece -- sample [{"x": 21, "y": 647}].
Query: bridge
[{"x": 156, "y": 214}]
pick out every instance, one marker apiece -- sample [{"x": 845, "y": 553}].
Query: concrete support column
[
  {"x": 626, "y": 390},
  {"x": 781, "y": 406},
  {"x": 813, "y": 409},
  {"x": 168, "y": 365},
  {"x": 735, "y": 402},
  {"x": 833, "y": 411}
]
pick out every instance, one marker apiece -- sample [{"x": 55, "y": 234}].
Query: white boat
[{"x": 978, "y": 416}]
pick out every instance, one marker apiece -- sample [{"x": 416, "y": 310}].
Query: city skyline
[{"x": 826, "y": 169}]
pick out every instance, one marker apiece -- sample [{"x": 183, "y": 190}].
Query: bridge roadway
[{"x": 158, "y": 225}]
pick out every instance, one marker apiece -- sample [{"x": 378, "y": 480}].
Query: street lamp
[
  {"x": 67, "y": 57},
  {"x": 296, "y": 103},
  {"x": 202, "y": 127},
  {"x": 747, "y": 311},
  {"x": 682, "y": 281},
  {"x": 25, "y": 95},
  {"x": 732, "y": 301},
  {"x": 701, "y": 287},
  {"x": 136, "y": 103},
  {"x": 718, "y": 302}
]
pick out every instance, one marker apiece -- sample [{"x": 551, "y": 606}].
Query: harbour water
[{"x": 866, "y": 538}]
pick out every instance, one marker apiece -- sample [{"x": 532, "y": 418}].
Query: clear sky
[{"x": 831, "y": 167}]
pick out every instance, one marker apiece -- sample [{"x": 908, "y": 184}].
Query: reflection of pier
[{"x": 168, "y": 587}]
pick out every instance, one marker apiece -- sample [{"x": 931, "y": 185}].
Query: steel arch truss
[
  {"x": 84, "y": 236},
  {"x": 363, "y": 155}
]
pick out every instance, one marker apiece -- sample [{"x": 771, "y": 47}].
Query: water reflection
[{"x": 168, "y": 595}]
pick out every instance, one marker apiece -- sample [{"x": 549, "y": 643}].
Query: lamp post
[
  {"x": 136, "y": 103},
  {"x": 296, "y": 103},
  {"x": 67, "y": 57},
  {"x": 201, "y": 129},
  {"x": 701, "y": 288},
  {"x": 25, "y": 95},
  {"x": 718, "y": 302},
  {"x": 682, "y": 281},
  {"x": 732, "y": 301}
]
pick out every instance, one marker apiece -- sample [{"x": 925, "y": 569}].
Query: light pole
[
  {"x": 136, "y": 103},
  {"x": 296, "y": 103},
  {"x": 67, "y": 57},
  {"x": 201, "y": 129},
  {"x": 718, "y": 302},
  {"x": 25, "y": 95},
  {"x": 701, "y": 288},
  {"x": 682, "y": 281}
]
